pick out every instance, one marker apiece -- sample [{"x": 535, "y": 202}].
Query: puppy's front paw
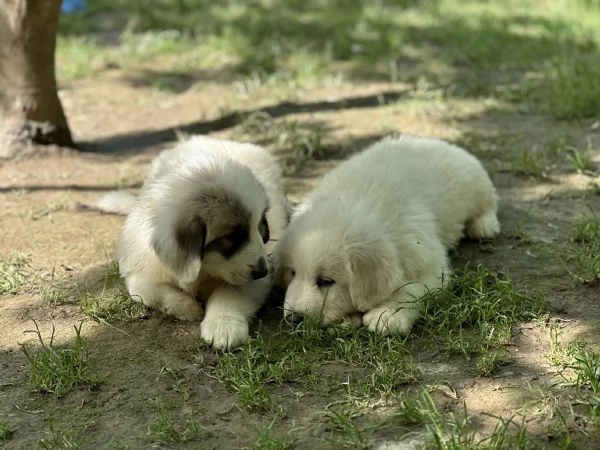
[
  {"x": 387, "y": 321},
  {"x": 353, "y": 320},
  {"x": 225, "y": 332},
  {"x": 184, "y": 308}
]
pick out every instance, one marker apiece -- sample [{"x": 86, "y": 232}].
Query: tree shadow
[{"x": 137, "y": 142}]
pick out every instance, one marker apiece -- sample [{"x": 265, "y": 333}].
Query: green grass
[
  {"x": 592, "y": 188},
  {"x": 586, "y": 366},
  {"x": 110, "y": 302},
  {"x": 57, "y": 291},
  {"x": 179, "y": 381},
  {"x": 587, "y": 231},
  {"x": 570, "y": 92},
  {"x": 5, "y": 432},
  {"x": 15, "y": 274},
  {"x": 110, "y": 310},
  {"x": 268, "y": 440},
  {"x": 578, "y": 366},
  {"x": 561, "y": 155},
  {"x": 474, "y": 314},
  {"x": 582, "y": 256},
  {"x": 296, "y": 355},
  {"x": 163, "y": 431},
  {"x": 455, "y": 430},
  {"x": 444, "y": 431},
  {"x": 537, "y": 55},
  {"x": 581, "y": 160},
  {"x": 59, "y": 370},
  {"x": 59, "y": 439},
  {"x": 417, "y": 421},
  {"x": 294, "y": 142},
  {"x": 344, "y": 432},
  {"x": 560, "y": 355},
  {"x": 530, "y": 163}
]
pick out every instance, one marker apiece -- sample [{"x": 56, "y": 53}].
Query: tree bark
[{"x": 30, "y": 109}]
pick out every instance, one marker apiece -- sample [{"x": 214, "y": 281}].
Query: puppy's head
[
  {"x": 211, "y": 219},
  {"x": 335, "y": 267}
]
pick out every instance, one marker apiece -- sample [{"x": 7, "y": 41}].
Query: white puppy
[
  {"x": 372, "y": 238},
  {"x": 198, "y": 234}
]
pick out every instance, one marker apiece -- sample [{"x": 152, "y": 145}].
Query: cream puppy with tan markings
[
  {"x": 200, "y": 233},
  {"x": 372, "y": 238}
]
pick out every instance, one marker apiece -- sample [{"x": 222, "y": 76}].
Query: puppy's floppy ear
[
  {"x": 378, "y": 267},
  {"x": 374, "y": 271},
  {"x": 181, "y": 247},
  {"x": 191, "y": 236}
]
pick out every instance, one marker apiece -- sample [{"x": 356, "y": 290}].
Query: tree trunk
[{"x": 30, "y": 110}]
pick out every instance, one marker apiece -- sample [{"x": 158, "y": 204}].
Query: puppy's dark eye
[
  {"x": 231, "y": 237},
  {"x": 229, "y": 243},
  {"x": 323, "y": 282},
  {"x": 288, "y": 275},
  {"x": 263, "y": 229}
]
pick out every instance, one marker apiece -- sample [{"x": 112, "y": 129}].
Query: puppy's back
[{"x": 394, "y": 175}]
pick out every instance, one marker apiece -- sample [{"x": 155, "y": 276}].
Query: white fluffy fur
[
  {"x": 379, "y": 226},
  {"x": 158, "y": 272}
]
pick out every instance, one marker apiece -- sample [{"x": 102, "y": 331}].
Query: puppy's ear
[
  {"x": 378, "y": 268},
  {"x": 181, "y": 248},
  {"x": 374, "y": 273},
  {"x": 191, "y": 236}
]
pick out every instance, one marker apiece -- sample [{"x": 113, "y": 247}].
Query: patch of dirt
[{"x": 127, "y": 125}]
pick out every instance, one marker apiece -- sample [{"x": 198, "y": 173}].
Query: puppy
[
  {"x": 201, "y": 230},
  {"x": 372, "y": 237}
]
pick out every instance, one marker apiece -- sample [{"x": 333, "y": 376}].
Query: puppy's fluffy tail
[{"x": 114, "y": 202}]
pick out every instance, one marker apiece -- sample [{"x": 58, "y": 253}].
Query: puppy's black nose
[
  {"x": 294, "y": 317},
  {"x": 260, "y": 270}
]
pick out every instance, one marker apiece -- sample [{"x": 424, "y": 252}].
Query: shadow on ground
[{"x": 139, "y": 141}]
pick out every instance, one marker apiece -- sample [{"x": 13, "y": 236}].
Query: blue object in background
[{"x": 71, "y": 6}]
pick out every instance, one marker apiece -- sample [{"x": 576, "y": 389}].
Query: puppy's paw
[
  {"x": 225, "y": 332},
  {"x": 388, "y": 321},
  {"x": 353, "y": 320},
  {"x": 184, "y": 308},
  {"x": 484, "y": 227}
]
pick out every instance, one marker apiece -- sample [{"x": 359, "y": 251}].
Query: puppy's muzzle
[{"x": 260, "y": 270}]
